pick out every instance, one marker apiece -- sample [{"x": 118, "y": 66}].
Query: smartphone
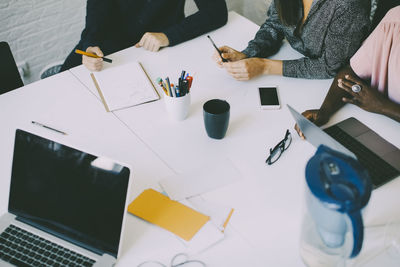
[{"x": 269, "y": 97}]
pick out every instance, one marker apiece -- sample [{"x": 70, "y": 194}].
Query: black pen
[
  {"x": 219, "y": 51},
  {"x": 47, "y": 127},
  {"x": 185, "y": 87}
]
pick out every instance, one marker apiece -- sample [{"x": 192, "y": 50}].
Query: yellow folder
[{"x": 171, "y": 215}]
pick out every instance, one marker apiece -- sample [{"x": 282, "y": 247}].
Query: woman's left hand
[{"x": 368, "y": 98}]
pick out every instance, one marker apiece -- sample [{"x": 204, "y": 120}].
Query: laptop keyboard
[
  {"x": 22, "y": 248},
  {"x": 379, "y": 170}
]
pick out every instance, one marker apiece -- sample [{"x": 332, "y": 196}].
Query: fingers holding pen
[
  {"x": 93, "y": 64},
  {"x": 228, "y": 53}
]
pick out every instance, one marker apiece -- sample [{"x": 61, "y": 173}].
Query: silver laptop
[
  {"x": 353, "y": 138},
  {"x": 66, "y": 207}
]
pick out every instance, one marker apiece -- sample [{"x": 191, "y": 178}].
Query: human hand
[
  {"x": 153, "y": 41},
  {"x": 316, "y": 116},
  {"x": 229, "y": 54},
  {"x": 368, "y": 98},
  {"x": 246, "y": 69},
  {"x": 92, "y": 63}
]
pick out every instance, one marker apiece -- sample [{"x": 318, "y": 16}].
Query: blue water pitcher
[{"x": 337, "y": 190}]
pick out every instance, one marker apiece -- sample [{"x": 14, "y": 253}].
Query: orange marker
[
  {"x": 77, "y": 51},
  {"x": 190, "y": 80}
]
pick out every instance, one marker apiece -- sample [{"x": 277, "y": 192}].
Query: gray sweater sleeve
[
  {"x": 269, "y": 37},
  {"x": 344, "y": 36}
]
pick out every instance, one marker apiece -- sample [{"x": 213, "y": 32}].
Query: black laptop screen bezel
[{"x": 72, "y": 198}]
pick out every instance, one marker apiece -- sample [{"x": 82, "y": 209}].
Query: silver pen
[{"x": 47, "y": 127}]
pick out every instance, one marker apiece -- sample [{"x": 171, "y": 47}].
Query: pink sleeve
[
  {"x": 378, "y": 59},
  {"x": 362, "y": 61}
]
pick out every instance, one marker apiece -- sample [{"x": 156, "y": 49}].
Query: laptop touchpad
[{"x": 376, "y": 143}]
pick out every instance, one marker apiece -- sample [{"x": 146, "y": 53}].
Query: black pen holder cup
[{"x": 216, "y": 118}]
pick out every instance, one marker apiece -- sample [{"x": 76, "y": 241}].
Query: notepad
[
  {"x": 171, "y": 215},
  {"x": 122, "y": 86}
]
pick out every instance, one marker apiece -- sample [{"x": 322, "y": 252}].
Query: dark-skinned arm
[
  {"x": 340, "y": 93},
  {"x": 334, "y": 99},
  {"x": 392, "y": 110},
  {"x": 332, "y": 102}
]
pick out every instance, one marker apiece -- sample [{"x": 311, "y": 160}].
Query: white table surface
[
  {"x": 265, "y": 227},
  {"x": 269, "y": 197}
]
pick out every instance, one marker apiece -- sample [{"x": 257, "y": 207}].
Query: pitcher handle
[{"x": 358, "y": 232}]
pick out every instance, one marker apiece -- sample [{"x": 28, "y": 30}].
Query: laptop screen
[{"x": 68, "y": 193}]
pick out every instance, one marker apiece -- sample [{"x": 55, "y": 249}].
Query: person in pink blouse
[{"x": 372, "y": 80}]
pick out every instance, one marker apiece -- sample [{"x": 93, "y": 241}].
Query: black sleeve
[
  {"x": 98, "y": 21},
  {"x": 212, "y": 14}
]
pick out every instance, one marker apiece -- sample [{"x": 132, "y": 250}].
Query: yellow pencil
[
  {"x": 77, "y": 51},
  {"x": 227, "y": 220}
]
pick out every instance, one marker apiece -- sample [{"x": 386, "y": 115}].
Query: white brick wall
[
  {"x": 256, "y": 10},
  {"x": 41, "y": 32}
]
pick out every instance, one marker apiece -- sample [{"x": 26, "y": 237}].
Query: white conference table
[
  {"x": 268, "y": 199},
  {"x": 265, "y": 227}
]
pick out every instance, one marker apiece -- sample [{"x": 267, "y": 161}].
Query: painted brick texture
[{"x": 41, "y": 31}]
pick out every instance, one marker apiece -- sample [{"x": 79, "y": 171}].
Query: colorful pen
[
  {"x": 190, "y": 80},
  {"x": 160, "y": 82},
  {"x": 185, "y": 87},
  {"x": 173, "y": 90},
  {"x": 170, "y": 90},
  {"x": 180, "y": 82}
]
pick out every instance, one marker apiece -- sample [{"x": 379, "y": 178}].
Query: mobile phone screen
[{"x": 268, "y": 96}]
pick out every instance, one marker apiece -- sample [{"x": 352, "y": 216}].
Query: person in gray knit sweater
[{"x": 326, "y": 32}]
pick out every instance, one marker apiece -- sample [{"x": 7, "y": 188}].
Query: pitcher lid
[{"x": 338, "y": 180}]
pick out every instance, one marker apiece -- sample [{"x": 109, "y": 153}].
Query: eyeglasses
[
  {"x": 275, "y": 154},
  {"x": 181, "y": 259}
]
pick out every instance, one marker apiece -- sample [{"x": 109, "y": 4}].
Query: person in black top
[{"x": 113, "y": 25}]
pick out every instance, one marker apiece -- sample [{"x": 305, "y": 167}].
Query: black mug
[{"x": 216, "y": 117}]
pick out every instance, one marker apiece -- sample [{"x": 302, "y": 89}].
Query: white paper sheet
[
  {"x": 218, "y": 213},
  {"x": 200, "y": 181},
  {"x": 125, "y": 85},
  {"x": 205, "y": 238}
]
